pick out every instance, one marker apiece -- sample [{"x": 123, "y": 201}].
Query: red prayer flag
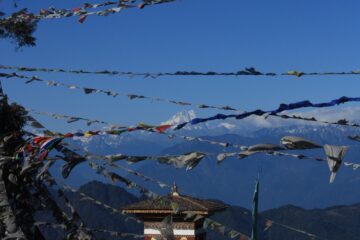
[
  {"x": 68, "y": 135},
  {"x": 76, "y": 9},
  {"x": 163, "y": 128},
  {"x": 141, "y": 5},
  {"x": 82, "y": 18}
]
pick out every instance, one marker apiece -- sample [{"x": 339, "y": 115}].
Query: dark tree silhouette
[
  {"x": 12, "y": 120},
  {"x": 18, "y": 27}
]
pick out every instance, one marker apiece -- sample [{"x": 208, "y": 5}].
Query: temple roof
[{"x": 175, "y": 203}]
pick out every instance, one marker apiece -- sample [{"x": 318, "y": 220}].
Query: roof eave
[{"x": 138, "y": 211}]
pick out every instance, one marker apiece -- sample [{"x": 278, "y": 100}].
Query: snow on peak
[
  {"x": 227, "y": 125},
  {"x": 181, "y": 117},
  {"x": 254, "y": 123}
]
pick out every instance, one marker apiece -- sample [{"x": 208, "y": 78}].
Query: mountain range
[{"x": 284, "y": 180}]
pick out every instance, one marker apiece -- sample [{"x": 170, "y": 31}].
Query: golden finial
[{"x": 174, "y": 190}]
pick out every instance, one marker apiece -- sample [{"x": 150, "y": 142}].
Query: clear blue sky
[{"x": 202, "y": 35}]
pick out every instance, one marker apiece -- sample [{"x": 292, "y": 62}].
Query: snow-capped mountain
[
  {"x": 181, "y": 117},
  {"x": 255, "y": 123},
  {"x": 253, "y": 127}
]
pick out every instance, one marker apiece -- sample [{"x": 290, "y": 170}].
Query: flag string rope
[
  {"x": 71, "y": 119},
  {"x": 142, "y": 126},
  {"x": 160, "y": 129},
  {"x": 241, "y": 115},
  {"x": 92, "y": 230},
  {"x": 86, "y": 197},
  {"x": 245, "y": 72},
  {"x": 259, "y": 112},
  {"x": 83, "y": 11},
  {"x": 87, "y": 90},
  {"x": 221, "y": 156},
  {"x": 282, "y": 107},
  {"x": 246, "y": 150},
  {"x": 75, "y": 216}
]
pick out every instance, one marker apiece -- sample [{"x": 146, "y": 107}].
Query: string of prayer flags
[
  {"x": 354, "y": 166},
  {"x": 270, "y": 223},
  {"x": 111, "y": 162},
  {"x": 75, "y": 216},
  {"x": 130, "y": 96},
  {"x": 138, "y": 174},
  {"x": 284, "y": 141},
  {"x": 117, "y": 178},
  {"x": 262, "y": 148},
  {"x": 222, "y": 144},
  {"x": 71, "y": 157},
  {"x": 34, "y": 123},
  {"x": 85, "y": 197},
  {"x": 115, "y": 130},
  {"x": 7, "y": 216},
  {"x": 156, "y": 129},
  {"x": 295, "y": 142},
  {"x": 192, "y": 159},
  {"x": 225, "y": 231},
  {"x": 355, "y": 138},
  {"x": 72, "y": 230},
  {"x": 83, "y": 12},
  {"x": 91, "y": 230},
  {"x": 153, "y": 2},
  {"x": 298, "y": 156},
  {"x": 281, "y": 108},
  {"x": 119, "y": 131},
  {"x": 163, "y": 128},
  {"x": 341, "y": 122},
  {"x": 335, "y": 155},
  {"x": 259, "y": 148},
  {"x": 250, "y": 71},
  {"x": 28, "y": 188},
  {"x": 187, "y": 160},
  {"x": 39, "y": 148},
  {"x": 72, "y": 119},
  {"x": 222, "y": 156},
  {"x": 245, "y": 72}
]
